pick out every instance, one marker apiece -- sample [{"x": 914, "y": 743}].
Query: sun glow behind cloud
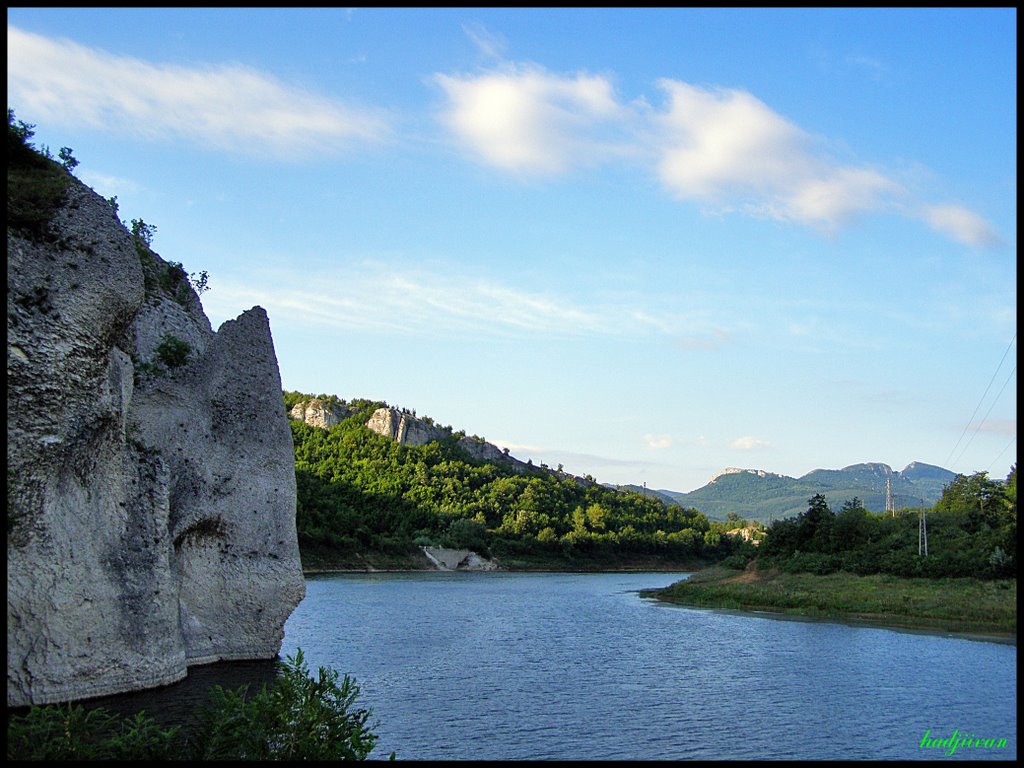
[{"x": 526, "y": 120}]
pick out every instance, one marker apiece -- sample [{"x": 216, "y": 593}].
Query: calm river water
[{"x": 462, "y": 666}]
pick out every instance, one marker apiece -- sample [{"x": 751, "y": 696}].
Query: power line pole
[{"x": 922, "y": 532}]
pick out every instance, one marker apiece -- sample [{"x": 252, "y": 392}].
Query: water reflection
[{"x": 180, "y": 703}]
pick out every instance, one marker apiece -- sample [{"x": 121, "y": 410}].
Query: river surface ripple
[{"x": 543, "y": 666}]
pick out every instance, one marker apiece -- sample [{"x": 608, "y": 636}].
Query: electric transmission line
[
  {"x": 982, "y": 400},
  {"x": 983, "y": 418}
]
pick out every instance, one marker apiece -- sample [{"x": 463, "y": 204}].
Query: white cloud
[
  {"x": 723, "y": 149},
  {"x": 225, "y": 107},
  {"x": 836, "y": 196},
  {"x": 727, "y": 148},
  {"x": 720, "y": 143},
  {"x": 961, "y": 224},
  {"x": 748, "y": 443},
  {"x": 528, "y": 121}
]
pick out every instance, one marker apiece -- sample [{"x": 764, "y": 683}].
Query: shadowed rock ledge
[{"x": 151, "y": 500}]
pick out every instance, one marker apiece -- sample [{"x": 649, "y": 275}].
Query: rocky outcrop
[
  {"x": 458, "y": 560},
  {"x": 151, "y": 487},
  {"x": 318, "y": 413},
  {"x": 736, "y": 470},
  {"x": 405, "y": 428}
]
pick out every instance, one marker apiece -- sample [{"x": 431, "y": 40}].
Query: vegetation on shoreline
[
  {"x": 299, "y": 717},
  {"x": 971, "y": 533},
  {"x": 873, "y": 567},
  {"x": 955, "y": 605}
]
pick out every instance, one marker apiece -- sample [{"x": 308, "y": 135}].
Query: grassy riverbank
[{"x": 953, "y": 605}]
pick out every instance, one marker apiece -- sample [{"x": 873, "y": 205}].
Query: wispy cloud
[
  {"x": 489, "y": 44},
  {"x": 1006, "y": 427},
  {"x": 115, "y": 185},
  {"x": 962, "y": 225},
  {"x": 875, "y": 68},
  {"x": 573, "y": 461},
  {"x": 716, "y": 338},
  {"x": 723, "y": 149},
  {"x": 409, "y": 302},
  {"x": 412, "y": 301},
  {"x": 658, "y": 442},
  {"x": 225, "y": 107}
]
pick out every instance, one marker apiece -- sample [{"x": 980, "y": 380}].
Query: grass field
[{"x": 954, "y": 605}]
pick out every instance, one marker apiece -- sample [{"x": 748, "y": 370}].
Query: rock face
[
  {"x": 403, "y": 427},
  {"x": 151, "y": 497},
  {"x": 317, "y": 413},
  {"x": 406, "y": 429},
  {"x": 736, "y": 470},
  {"x": 458, "y": 560}
]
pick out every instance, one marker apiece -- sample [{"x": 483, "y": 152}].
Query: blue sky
[{"x": 644, "y": 244}]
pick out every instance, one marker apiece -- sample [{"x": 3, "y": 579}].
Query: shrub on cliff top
[{"x": 36, "y": 183}]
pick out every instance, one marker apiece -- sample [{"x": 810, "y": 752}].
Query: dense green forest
[
  {"x": 360, "y": 492},
  {"x": 971, "y": 532}
]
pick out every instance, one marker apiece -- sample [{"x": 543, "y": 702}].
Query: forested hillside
[{"x": 362, "y": 495}]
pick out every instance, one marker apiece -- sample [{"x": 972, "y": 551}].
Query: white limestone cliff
[
  {"x": 317, "y": 413},
  {"x": 405, "y": 428},
  {"x": 151, "y": 509}
]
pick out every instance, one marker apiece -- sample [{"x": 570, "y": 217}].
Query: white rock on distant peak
[{"x": 738, "y": 470}]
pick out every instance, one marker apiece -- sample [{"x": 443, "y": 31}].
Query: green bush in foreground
[
  {"x": 297, "y": 718},
  {"x": 70, "y": 732}
]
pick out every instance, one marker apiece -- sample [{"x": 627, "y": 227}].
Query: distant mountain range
[{"x": 754, "y": 494}]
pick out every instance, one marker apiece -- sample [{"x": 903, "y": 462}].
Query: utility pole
[{"x": 922, "y": 532}]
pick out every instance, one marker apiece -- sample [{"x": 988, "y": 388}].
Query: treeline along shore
[{"x": 951, "y": 568}]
